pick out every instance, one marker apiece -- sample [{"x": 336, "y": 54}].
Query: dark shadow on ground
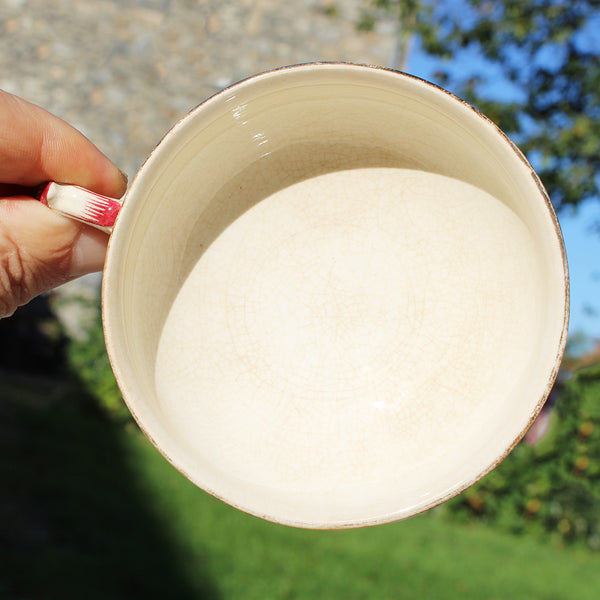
[{"x": 75, "y": 522}]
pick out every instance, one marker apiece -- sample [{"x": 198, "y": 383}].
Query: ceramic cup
[{"x": 335, "y": 296}]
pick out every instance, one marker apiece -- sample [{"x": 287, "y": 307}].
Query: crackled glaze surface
[
  {"x": 336, "y": 337},
  {"x": 335, "y": 296}
]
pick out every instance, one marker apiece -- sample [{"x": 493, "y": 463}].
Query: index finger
[{"x": 36, "y": 146}]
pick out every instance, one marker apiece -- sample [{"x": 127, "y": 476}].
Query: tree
[{"x": 538, "y": 75}]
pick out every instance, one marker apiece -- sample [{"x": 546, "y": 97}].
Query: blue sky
[{"x": 583, "y": 252}]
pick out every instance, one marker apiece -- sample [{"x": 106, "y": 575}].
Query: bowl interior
[{"x": 335, "y": 296}]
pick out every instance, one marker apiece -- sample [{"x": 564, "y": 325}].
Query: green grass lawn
[{"x": 89, "y": 509}]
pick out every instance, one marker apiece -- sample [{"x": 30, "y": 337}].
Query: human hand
[{"x": 40, "y": 249}]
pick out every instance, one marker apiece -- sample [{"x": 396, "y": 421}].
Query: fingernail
[
  {"x": 124, "y": 177},
  {"x": 88, "y": 253}
]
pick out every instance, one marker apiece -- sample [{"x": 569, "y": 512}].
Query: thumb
[
  {"x": 40, "y": 250},
  {"x": 88, "y": 252}
]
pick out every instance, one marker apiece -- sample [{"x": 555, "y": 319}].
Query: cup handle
[{"x": 81, "y": 204}]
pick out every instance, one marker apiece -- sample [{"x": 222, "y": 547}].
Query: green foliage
[
  {"x": 552, "y": 488},
  {"x": 546, "y": 54},
  {"x": 331, "y": 10},
  {"x": 366, "y": 22},
  {"x": 89, "y": 362},
  {"x": 414, "y": 16},
  {"x": 544, "y": 49}
]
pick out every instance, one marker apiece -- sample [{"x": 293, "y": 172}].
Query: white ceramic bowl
[{"x": 336, "y": 296}]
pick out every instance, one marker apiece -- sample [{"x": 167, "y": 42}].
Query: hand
[{"x": 40, "y": 249}]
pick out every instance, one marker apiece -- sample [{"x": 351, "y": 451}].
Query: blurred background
[{"x": 88, "y": 509}]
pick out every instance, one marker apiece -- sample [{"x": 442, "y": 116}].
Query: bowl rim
[{"x": 118, "y": 240}]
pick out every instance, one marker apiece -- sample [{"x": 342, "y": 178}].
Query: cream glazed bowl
[{"x": 335, "y": 296}]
